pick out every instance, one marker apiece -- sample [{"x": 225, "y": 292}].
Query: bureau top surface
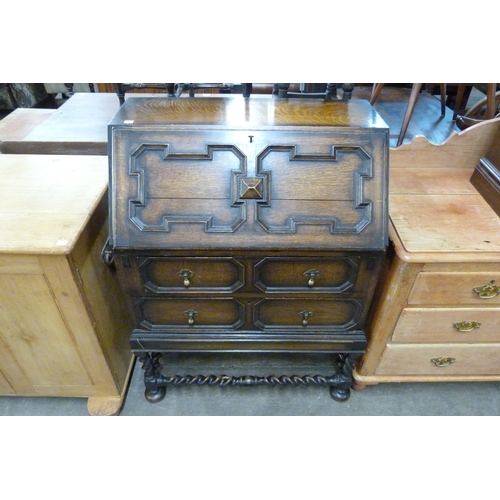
[
  {"x": 47, "y": 200},
  {"x": 254, "y": 112}
]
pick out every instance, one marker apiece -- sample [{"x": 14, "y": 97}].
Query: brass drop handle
[
  {"x": 442, "y": 362},
  {"x": 190, "y": 314},
  {"x": 487, "y": 291},
  {"x": 467, "y": 326},
  {"x": 186, "y": 274},
  {"x": 312, "y": 274},
  {"x": 305, "y": 317}
]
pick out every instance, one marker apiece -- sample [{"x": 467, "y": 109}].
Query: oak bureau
[{"x": 248, "y": 224}]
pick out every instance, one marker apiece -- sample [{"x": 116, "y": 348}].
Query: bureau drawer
[
  {"x": 465, "y": 359},
  {"x": 162, "y": 275},
  {"x": 188, "y": 314},
  {"x": 307, "y": 314},
  {"x": 424, "y": 325},
  {"x": 453, "y": 288},
  {"x": 333, "y": 275}
]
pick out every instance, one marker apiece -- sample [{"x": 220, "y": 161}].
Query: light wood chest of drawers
[
  {"x": 248, "y": 225},
  {"x": 438, "y": 307},
  {"x": 63, "y": 317}
]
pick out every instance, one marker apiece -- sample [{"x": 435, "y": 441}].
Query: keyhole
[{"x": 251, "y": 138}]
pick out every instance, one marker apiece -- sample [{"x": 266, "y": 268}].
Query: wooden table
[
  {"x": 63, "y": 322},
  {"x": 79, "y": 126},
  {"x": 18, "y": 124},
  {"x": 433, "y": 321}
]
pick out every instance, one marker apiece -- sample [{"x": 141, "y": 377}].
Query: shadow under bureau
[{"x": 248, "y": 225}]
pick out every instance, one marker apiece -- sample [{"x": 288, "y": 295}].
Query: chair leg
[
  {"x": 415, "y": 90},
  {"x": 377, "y": 87},
  {"x": 458, "y": 99},
  {"x": 443, "y": 98},
  {"x": 490, "y": 100}
]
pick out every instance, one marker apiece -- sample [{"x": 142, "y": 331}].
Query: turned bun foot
[
  {"x": 340, "y": 395},
  {"x": 155, "y": 396},
  {"x": 358, "y": 386}
]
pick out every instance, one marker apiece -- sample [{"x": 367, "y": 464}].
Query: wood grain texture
[
  {"x": 434, "y": 228},
  {"x": 460, "y": 150},
  {"x": 392, "y": 298},
  {"x": 78, "y": 127},
  {"x": 413, "y": 359},
  {"x": 426, "y": 325},
  {"x": 16, "y": 125},
  {"x": 447, "y": 241},
  {"x": 63, "y": 319},
  {"x": 46, "y": 201},
  {"x": 180, "y": 167},
  {"x": 257, "y": 112},
  {"x": 452, "y": 288},
  {"x": 254, "y": 180}
]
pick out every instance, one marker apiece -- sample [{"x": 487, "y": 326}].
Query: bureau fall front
[{"x": 248, "y": 225}]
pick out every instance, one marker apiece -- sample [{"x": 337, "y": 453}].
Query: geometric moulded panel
[
  {"x": 305, "y": 189},
  {"x": 186, "y": 188}
]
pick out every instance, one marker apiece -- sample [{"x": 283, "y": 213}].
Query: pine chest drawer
[{"x": 437, "y": 361}]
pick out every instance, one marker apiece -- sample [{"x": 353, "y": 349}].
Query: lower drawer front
[
  {"x": 188, "y": 314},
  {"x": 425, "y": 325},
  {"x": 307, "y": 314},
  {"x": 457, "y": 359}
]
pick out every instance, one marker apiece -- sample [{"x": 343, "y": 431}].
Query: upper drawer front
[
  {"x": 451, "y": 325},
  {"x": 307, "y": 315},
  {"x": 221, "y": 189},
  {"x": 184, "y": 315},
  {"x": 455, "y": 289},
  {"x": 333, "y": 275},
  {"x": 162, "y": 275},
  {"x": 440, "y": 360}
]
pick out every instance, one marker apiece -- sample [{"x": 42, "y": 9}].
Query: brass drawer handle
[
  {"x": 191, "y": 314},
  {"x": 487, "y": 291},
  {"x": 467, "y": 326},
  {"x": 305, "y": 316},
  {"x": 312, "y": 274},
  {"x": 442, "y": 362},
  {"x": 186, "y": 274}
]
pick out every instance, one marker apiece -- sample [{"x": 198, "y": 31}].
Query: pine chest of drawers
[
  {"x": 438, "y": 309},
  {"x": 252, "y": 224}
]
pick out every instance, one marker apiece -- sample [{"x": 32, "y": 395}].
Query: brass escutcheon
[
  {"x": 312, "y": 274},
  {"x": 191, "y": 314},
  {"x": 442, "y": 362},
  {"x": 186, "y": 274},
  {"x": 487, "y": 291},
  {"x": 467, "y": 326},
  {"x": 305, "y": 316}
]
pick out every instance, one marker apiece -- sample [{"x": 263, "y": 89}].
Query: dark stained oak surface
[
  {"x": 253, "y": 112},
  {"x": 235, "y": 173},
  {"x": 248, "y": 224}
]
